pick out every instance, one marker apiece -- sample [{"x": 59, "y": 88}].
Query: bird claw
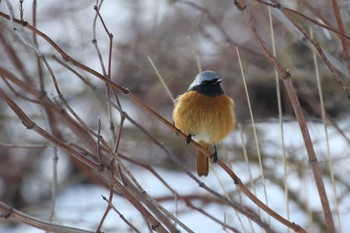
[
  {"x": 214, "y": 157},
  {"x": 188, "y": 139}
]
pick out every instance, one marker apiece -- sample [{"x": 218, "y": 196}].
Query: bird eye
[{"x": 209, "y": 82}]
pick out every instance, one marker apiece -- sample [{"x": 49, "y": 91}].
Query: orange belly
[{"x": 207, "y": 119}]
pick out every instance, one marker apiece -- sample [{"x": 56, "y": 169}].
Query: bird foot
[
  {"x": 188, "y": 139},
  {"x": 214, "y": 157}
]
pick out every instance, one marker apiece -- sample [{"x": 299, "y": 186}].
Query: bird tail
[{"x": 202, "y": 161}]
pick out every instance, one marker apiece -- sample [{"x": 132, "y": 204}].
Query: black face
[{"x": 209, "y": 88}]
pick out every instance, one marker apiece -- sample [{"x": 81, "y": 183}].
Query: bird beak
[{"x": 218, "y": 81}]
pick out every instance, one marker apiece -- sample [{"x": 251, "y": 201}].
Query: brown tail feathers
[{"x": 202, "y": 161}]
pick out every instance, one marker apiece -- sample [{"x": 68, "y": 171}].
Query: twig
[
  {"x": 9, "y": 212},
  {"x": 98, "y": 142},
  {"x": 341, "y": 28},
  {"x": 324, "y": 120},
  {"x": 227, "y": 195},
  {"x": 253, "y": 126},
  {"x": 280, "y": 117},
  {"x": 106, "y": 73},
  {"x": 118, "y": 138},
  {"x": 196, "y": 56},
  {"x": 108, "y": 208},
  {"x": 54, "y": 184},
  {"x": 21, "y": 10},
  {"x": 252, "y": 183},
  {"x": 94, "y": 40},
  {"x": 161, "y": 79},
  {"x": 10, "y": 145},
  {"x": 13, "y": 56},
  {"x": 18, "y": 94},
  {"x": 35, "y": 41},
  {"x": 109, "y": 201}
]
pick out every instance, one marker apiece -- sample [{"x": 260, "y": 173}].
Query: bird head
[{"x": 207, "y": 83}]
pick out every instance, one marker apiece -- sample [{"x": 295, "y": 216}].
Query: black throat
[{"x": 208, "y": 90}]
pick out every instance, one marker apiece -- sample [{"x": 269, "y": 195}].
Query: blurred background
[{"x": 180, "y": 38}]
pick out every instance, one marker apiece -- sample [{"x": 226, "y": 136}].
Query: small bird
[{"x": 205, "y": 114}]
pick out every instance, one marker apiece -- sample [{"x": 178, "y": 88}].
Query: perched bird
[{"x": 205, "y": 114}]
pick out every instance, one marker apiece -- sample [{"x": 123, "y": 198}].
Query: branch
[{"x": 7, "y": 212}]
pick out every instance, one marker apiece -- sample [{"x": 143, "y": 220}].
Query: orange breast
[{"x": 209, "y": 119}]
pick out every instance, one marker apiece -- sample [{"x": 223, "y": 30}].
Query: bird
[{"x": 205, "y": 114}]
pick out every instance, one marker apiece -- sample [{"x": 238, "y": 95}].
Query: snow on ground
[{"x": 82, "y": 205}]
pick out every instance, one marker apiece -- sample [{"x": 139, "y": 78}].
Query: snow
[{"x": 82, "y": 206}]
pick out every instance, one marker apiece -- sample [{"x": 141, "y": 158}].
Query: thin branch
[
  {"x": 18, "y": 94},
  {"x": 108, "y": 208},
  {"x": 161, "y": 79},
  {"x": 10, "y": 145},
  {"x": 13, "y": 56},
  {"x": 110, "y": 205},
  {"x": 98, "y": 142},
  {"x": 254, "y": 127},
  {"x": 7, "y": 211},
  {"x": 341, "y": 30},
  {"x": 324, "y": 120},
  {"x": 105, "y": 72},
  {"x": 196, "y": 56},
  {"x": 35, "y": 41},
  {"x": 280, "y": 117}
]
